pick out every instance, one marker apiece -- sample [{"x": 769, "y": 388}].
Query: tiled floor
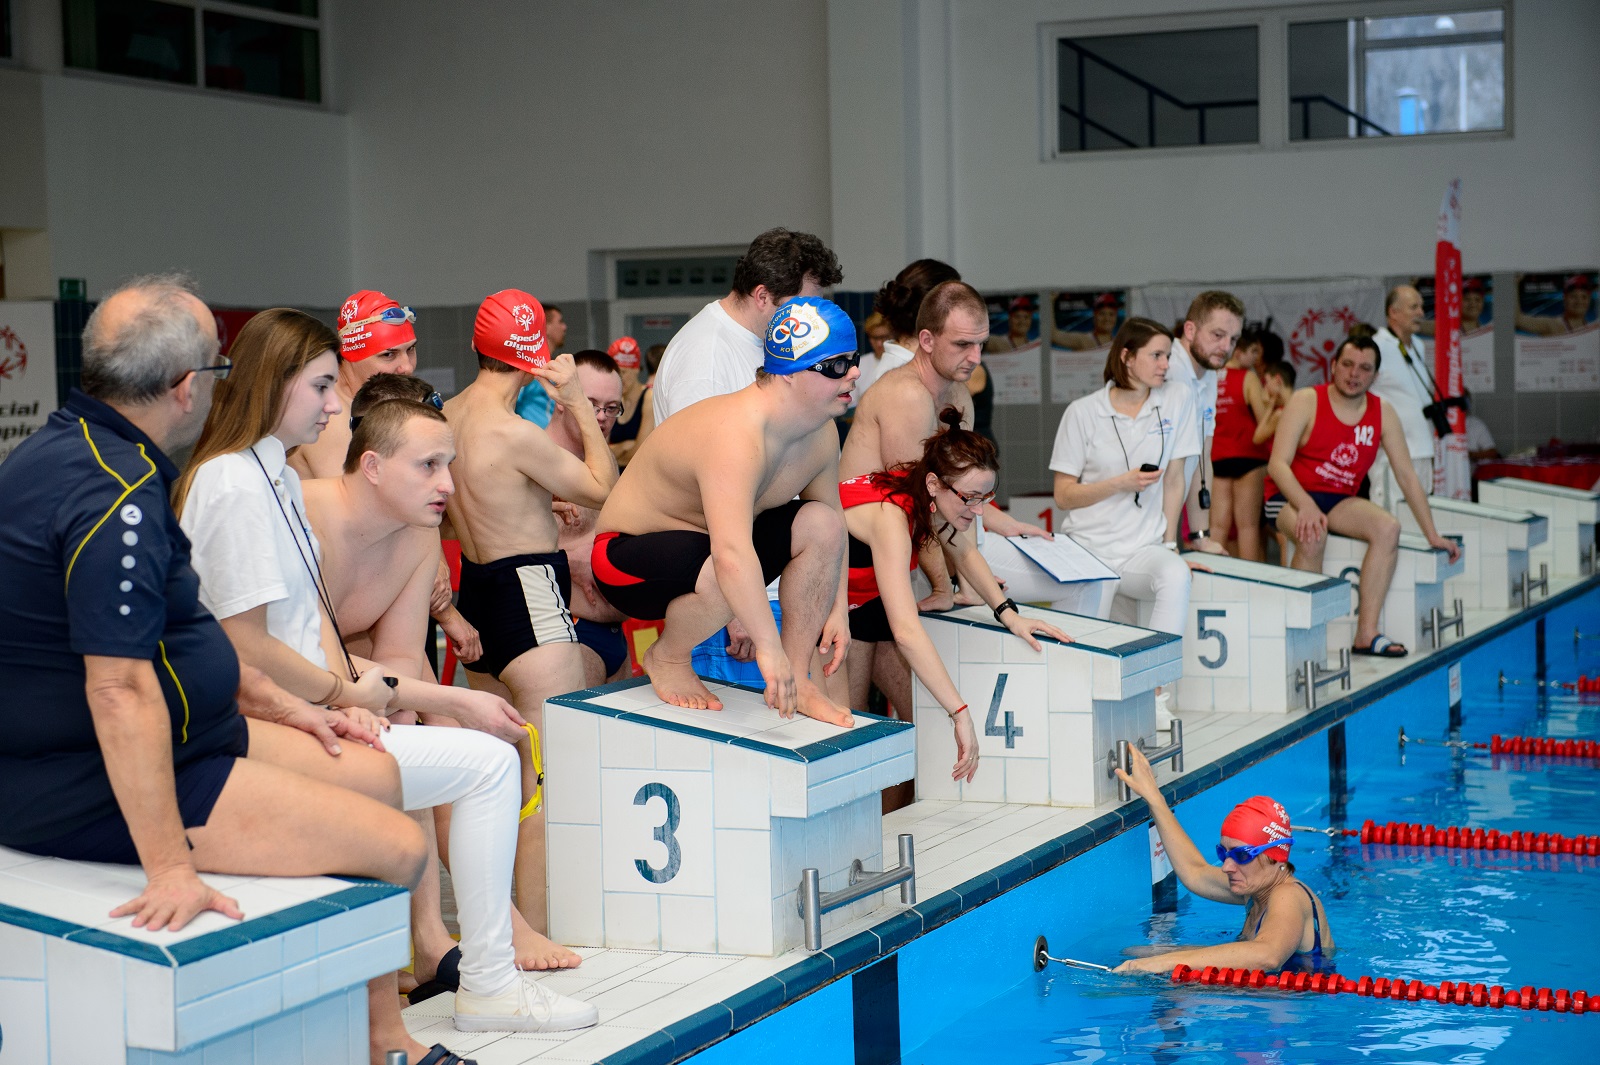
[{"x": 639, "y": 992}]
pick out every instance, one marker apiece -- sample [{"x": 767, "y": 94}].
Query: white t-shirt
[
  {"x": 1479, "y": 438},
  {"x": 1407, "y": 390},
  {"x": 1095, "y": 442},
  {"x": 873, "y": 367},
  {"x": 1181, "y": 368},
  {"x": 253, "y": 544},
  {"x": 711, "y": 355}
]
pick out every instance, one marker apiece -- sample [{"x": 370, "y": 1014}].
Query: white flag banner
[
  {"x": 27, "y": 370},
  {"x": 1311, "y": 316}
]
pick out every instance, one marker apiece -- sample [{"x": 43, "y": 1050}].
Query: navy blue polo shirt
[{"x": 93, "y": 562}]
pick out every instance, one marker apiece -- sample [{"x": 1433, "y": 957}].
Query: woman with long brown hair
[{"x": 891, "y": 516}]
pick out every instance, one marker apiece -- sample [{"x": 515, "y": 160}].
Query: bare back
[
  {"x": 499, "y": 509},
  {"x": 894, "y": 417}
]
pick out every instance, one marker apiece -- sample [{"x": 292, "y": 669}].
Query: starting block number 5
[{"x": 1220, "y": 641}]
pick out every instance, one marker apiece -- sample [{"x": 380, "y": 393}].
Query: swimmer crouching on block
[{"x": 1285, "y": 925}]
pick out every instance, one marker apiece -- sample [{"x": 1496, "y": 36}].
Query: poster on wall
[
  {"x": 1312, "y": 316},
  {"x": 1477, "y": 328},
  {"x": 229, "y": 322},
  {"x": 1083, "y": 325},
  {"x": 1558, "y": 338},
  {"x": 1011, "y": 355},
  {"x": 27, "y": 370}
]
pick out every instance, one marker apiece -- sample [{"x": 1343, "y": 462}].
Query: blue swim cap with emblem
[{"x": 807, "y": 330}]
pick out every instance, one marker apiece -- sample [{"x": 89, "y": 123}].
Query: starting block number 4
[
  {"x": 1017, "y": 694},
  {"x": 664, "y": 845},
  {"x": 1219, "y": 633}
]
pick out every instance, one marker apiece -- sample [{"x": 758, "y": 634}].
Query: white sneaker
[
  {"x": 527, "y": 1006},
  {"x": 1163, "y": 711}
]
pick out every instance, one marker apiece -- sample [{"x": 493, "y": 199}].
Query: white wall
[{"x": 496, "y": 144}]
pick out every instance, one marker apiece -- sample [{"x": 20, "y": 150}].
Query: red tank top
[
  {"x": 1236, "y": 422},
  {"x": 853, "y": 493},
  {"x": 1337, "y": 456}
]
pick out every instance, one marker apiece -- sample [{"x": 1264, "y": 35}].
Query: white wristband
[{"x": 1170, "y": 545}]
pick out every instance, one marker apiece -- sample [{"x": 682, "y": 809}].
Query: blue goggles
[{"x": 1246, "y": 855}]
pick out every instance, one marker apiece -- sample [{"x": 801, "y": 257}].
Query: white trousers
[
  {"x": 480, "y": 777},
  {"x": 1386, "y": 490},
  {"x": 1027, "y": 583},
  {"x": 1152, "y": 575}
]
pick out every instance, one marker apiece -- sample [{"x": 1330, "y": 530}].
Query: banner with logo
[
  {"x": 1477, "y": 328},
  {"x": 1011, "y": 355},
  {"x": 229, "y": 322},
  {"x": 1452, "y": 473},
  {"x": 1084, "y": 323},
  {"x": 1558, "y": 338},
  {"x": 1313, "y": 316},
  {"x": 27, "y": 370}
]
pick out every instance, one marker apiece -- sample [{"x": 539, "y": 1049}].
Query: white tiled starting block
[
  {"x": 1045, "y": 720},
  {"x": 1495, "y": 542},
  {"x": 288, "y": 983},
  {"x": 1573, "y": 514},
  {"x": 1250, "y": 632},
  {"x": 1415, "y": 612},
  {"x": 687, "y": 830}
]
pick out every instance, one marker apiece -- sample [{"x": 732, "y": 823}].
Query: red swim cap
[
  {"x": 370, "y": 322},
  {"x": 626, "y": 351},
  {"x": 510, "y": 327},
  {"x": 1257, "y": 821}
]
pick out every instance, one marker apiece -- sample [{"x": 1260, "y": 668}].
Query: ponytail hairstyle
[{"x": 947, "y": 454}]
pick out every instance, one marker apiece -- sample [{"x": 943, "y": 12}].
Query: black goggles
[{"x": 837, "y": 367}]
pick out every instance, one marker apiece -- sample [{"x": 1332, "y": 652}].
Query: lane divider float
[
  {"x": 1584, "y": 684},
  {"x": 1497, "y": 997},
  {"x": 1531, "y": 746}
]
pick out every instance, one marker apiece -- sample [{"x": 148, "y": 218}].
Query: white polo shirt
[
  {"x": 711, "y": 355},
  {"x": 253, "y": 544},
  {"x": 1406, "y": 388},
  {"x": 1095, "y": 442},
  {"x": 873, "y": 367},
  {"x": 1181, "y": 368}
]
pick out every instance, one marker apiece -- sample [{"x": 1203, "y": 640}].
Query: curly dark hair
[
  {"x": 782, "y": 260},
  {"x": 899, "y": 300},
  {"x": 947, "y": 454}
]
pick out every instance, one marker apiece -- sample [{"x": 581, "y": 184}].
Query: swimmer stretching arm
[{"x": 587, "y": 481}]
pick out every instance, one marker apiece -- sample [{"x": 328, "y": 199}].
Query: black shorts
[
  {"x": 516, "y": 604},
  {"x": 199, "y": 784},
  {"x": 604, "y": 640},
  {"x": 869, "y": 622},
  {"x": 1238, "y": 466},
  {"x": 642, "y": 574},
  {"x": 1325, "y": 502}
]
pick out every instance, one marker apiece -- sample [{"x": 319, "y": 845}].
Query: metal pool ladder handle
[
  {"x": 1589, "y": 561},
  {"x": 1437, "y": 621},
  {"x": 1313, "y": 675},
  {"x": 813, "y": 902},
  {"x": 1122, "y": 756},
  {"x": 1525, "y": 590}
]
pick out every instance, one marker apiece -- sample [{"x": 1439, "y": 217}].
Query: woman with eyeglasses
[
  {"x": 1285, "y": 925},
  {"x": 891, "y": 516},
  {"x": 1118, "y": 463}
]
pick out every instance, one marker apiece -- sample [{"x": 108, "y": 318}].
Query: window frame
[
  {"x": 318, "y": 25},
  {"x": 1276, "y": 113}
]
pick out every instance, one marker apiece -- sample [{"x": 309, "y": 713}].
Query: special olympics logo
[
  {"x": 523, "y": 314},
  {"x": 347, "y": 313},
  {"x": 1346, "y": 454},
  {"x": 13, "y": 354},
  {"x": 1316, "y": 337}
]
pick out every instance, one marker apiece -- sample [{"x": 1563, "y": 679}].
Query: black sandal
[
  {"x": 447, "y": 978},
  {"x": 1381, "y": 647},
  {"x": 440, "y": 1056}
]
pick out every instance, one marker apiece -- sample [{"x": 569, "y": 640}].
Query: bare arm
[
  {"x": 1198, "y": 875},
  {"x": 1292, "y": 426},
  {"x": 1282, "y": 926},
  {"x": 1256, "y": 398},
  {"x": 835, "y": 640},
  {"x": 294, "y": 672},
  {"x": 1405, "y": 474},
  {"x": 586, "y": 482},
  {"x": 134, "y": 731},
  {"x": 976, "y": 575},
  {"x": 1173, "y": 492}
]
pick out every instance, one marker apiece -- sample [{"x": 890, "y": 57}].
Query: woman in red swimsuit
[{"x": 893, "y": 515}]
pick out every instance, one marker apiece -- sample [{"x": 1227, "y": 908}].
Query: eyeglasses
[
  {"x": 1246, "y": 855},
  {"x": 220, "y": 367},
  {"x": 613, "y": 410},
  {"x": 837, "y": 367},
  {"x": 388, "y": 316},
  {"x": 970, "y": 499},
  {"x": 432, "y": 399}
]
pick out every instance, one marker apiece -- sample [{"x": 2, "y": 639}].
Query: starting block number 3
[
  {"x": 1218, "y": 636},
  {"x": 658, "y": 831}
]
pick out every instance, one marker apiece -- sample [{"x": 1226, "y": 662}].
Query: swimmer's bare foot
[
  {"x": 814, "y": 704},
  {"x": 536, "y": 952},
  {"x": 676, "y": 682}
]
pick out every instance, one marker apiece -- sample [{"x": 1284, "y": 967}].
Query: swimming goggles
[
  {"x": 1246, "y": 855},
  {"x": 434, "y": 400},
  {"x": 388, "y": 316},
  {"x": 837, "y": 367}
]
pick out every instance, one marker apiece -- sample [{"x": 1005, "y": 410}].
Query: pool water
[{"x": 1429, "y": 915}]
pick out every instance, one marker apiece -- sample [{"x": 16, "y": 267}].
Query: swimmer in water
[{"x": 1285, "y": 925}]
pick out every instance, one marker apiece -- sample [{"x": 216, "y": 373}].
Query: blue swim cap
[{"x": 807, "y": 330}]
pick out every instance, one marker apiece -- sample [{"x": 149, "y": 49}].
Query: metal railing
[
  {"x": 813, "y": 902},
  {"x": 1121, "y": 756},
  {"x": 1306, "y": 101},
  {"x": 1313, "y": 675},
  {"x": 1152, "y": 94}
]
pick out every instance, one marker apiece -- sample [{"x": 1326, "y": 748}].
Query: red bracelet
[{"x": 958, "y": 710}]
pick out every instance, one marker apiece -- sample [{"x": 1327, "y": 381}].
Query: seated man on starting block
[
  {"x": 1327, "y": 440},
  {"x": 728, "y": 494},
  {"x": 1285, "y": 925}
]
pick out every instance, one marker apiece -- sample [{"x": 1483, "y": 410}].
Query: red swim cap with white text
[
  {"x": 510, "y": 328},
  {"x": 370, "y": 322},
  {"x": 1259, "y": 820}
]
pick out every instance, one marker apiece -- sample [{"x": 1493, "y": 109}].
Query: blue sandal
[{"x": 1381, "y": 647}]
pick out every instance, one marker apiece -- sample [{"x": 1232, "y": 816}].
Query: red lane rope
[
  {"x": 1411, "y": 835},
  {"x": 1461, "y": 994},
  {"x": 1543, "y": 746}
]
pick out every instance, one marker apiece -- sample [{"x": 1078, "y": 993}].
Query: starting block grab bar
[
  {"x": 1438, "y": 621},
  {"x": 1123, "y": 756},
  {"x": 813, "y": 902},
  {"x": 1524, "y": 590},
  {"x": 1314, "y": 675}
]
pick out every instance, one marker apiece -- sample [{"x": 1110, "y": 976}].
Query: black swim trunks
[
  {"x": 869, "y": 622},
  {"x": 516, "y": 604},
  {"x": 1238, "y": 466},
  {"x": 1325, "y": 502},
  {"x": 604, "y": 640},
  {"x": 641, "y": 574}
]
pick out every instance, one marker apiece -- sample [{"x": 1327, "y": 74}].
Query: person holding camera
[{"x": 1406, "y": 383}]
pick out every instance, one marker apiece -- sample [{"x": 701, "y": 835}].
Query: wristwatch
[
  {"x": 1198, "y": 534},
  {"x": 1005, "y": 604}
]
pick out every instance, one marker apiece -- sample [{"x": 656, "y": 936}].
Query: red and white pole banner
[{"x": 1452, "y": 472}]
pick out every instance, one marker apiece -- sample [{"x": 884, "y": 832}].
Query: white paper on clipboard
[{"x": 1064, "y": 558}]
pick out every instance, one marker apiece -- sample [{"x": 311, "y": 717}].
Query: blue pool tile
[
  {"x": 1047, "y": 855},
  {"x": 38, "y": 922},
  {"x": 853, "y": 952},
  {"x": 657, "y": 1048},
  {"x": 700, "y": 1028},
  {"x": 187, "y": 951},
  {"x": 137, "y": 949},
  {"x": 807, "y": 975},
  {"x": 945, "y": 906},
  {"x": 755, "y": 1002},
  {"x": 1012, "y": 873},
  {"x": 898, "y": 930},
  {"x": 978, "y": 890}
]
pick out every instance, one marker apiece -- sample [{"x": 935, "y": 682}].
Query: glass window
[
  {"x": 249, "y": 55},
  {"x": 5, "y": 29},
  {"x": 308, "y": 8},
  {"x": 1158, "y": 90},
  {"x": 1381, "y": 77},
  {"x": 139, "y": 38}
]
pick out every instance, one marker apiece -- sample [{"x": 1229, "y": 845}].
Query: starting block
[
  {"x": 1036, "y": 508},
  {"x": 1495, "y": 542},
  {"x": 1046, "y": 720},
  {"x": 687, "y": 830},
  {"x": 1251, "y": 632},
  {"x": 1573, "y": 514},
  {"x": 1414, "y": 612}
]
